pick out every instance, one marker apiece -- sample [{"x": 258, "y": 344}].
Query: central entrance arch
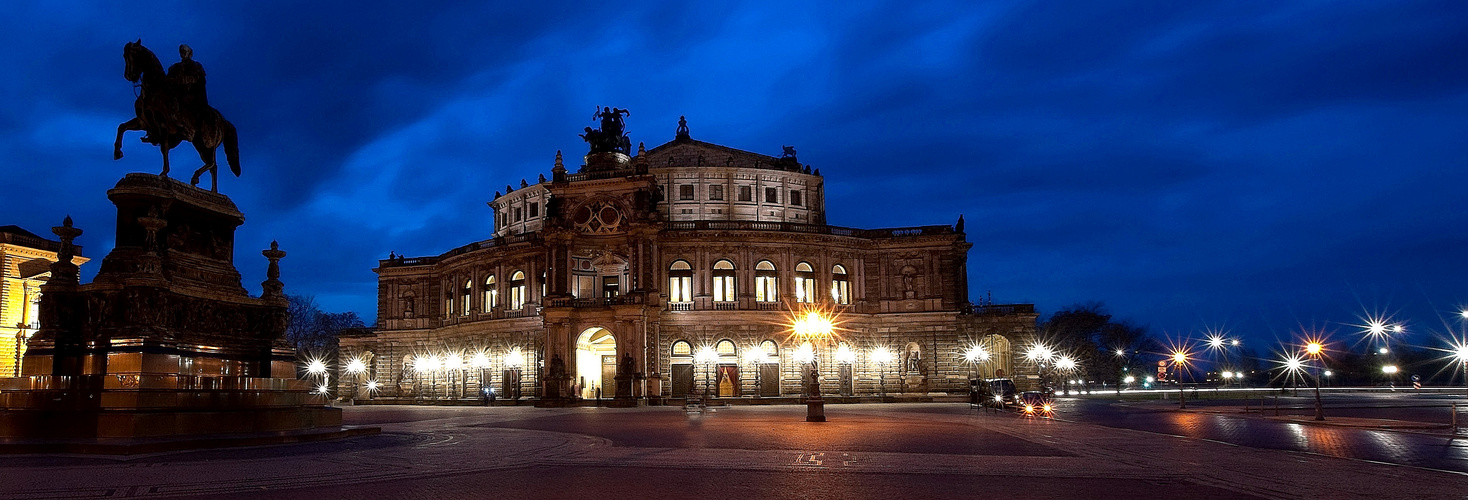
[{"x": 596, "y": 363}]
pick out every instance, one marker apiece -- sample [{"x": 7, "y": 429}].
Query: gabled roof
[
  {"x": 687, "y": 152},
  {"x": 13, "y": 229}
]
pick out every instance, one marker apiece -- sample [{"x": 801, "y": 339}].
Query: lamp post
[
  {"x": 317, "y": 369},
  {"x": 755, "y": 356},
  {"x": 1180, "y": 358},
  {"x": 706, "y": 356},
  {"x": 1314, "y": 349},
  {"x": 513, "y": 361},
  {"x": 816, "y": 328},
  {"x": 481, "y": 361},
  {"x": 1460, "y": 353},
  {"x": 355, "y": 368},
  {"x": 883, "y": 356}
]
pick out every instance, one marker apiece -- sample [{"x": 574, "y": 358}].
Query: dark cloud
[{"x": 1253, "y": 165}]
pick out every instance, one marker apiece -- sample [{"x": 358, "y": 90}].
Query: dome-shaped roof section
[{"x": 685, "y": 152}]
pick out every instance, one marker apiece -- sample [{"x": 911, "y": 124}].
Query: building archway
[{"x": 596, "y": 363}]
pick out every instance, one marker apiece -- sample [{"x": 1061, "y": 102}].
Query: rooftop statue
[
  {"x": 173, "y": 107},
  {"x": 612, "y": 137}
]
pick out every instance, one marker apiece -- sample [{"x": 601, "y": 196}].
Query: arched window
[
  {"x": 840, "y": 285},
  {"x": 805, "y": 283},
  {"x": 464, "y": 295},
  {"x": 682, "y": 352},
  {"x": 725, "y": 348},
  {"x": 491, "y": 294},
  {"x": 724, "y": 281},
  {"x": 448, "y": 300},
  {"x": 771, "y": 348},
  {"x": 766, "y": 282},
  {"x": 680, "y": 282},
  {"x": 517, "y": 290}
]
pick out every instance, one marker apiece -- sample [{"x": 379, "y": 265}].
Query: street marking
[{"x": 812, "y": 459}]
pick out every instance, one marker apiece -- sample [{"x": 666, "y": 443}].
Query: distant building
[
  {"x": 680, "y": 270},
  {"x": 26, "y": 260}
]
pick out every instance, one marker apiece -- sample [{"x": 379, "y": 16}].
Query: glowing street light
[
  {"x": 706, "y": 356},
  {"x": 1180, "y": 359},
  {"x": 817, "y": 327},
  {"x": 756, "y": 357},
  {"x": 883, "y": 356},
  {"x": 1389, "y": 369},
  {"x": 1314, "y": 349}
]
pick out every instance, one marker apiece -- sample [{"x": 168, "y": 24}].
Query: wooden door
[
  {"x": 682, "y": 379},
  {"x": 769, "y": 383}
]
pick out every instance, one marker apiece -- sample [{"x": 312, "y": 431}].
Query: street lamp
[
  {"x": 513, "y": 361},
  {"x": 1460, "y": 353},
  {"x": 755, "y": 356},
  {"x": 1314, "y": 349},
  {"x": 817, "y": 327},
  {"x": 1180, "y": 358},
  {"x": 316, "y": 367},
  {"x": 355, "y": 368},
  {"x": 706, "y": 356},
  {"x": 883, "y": 356},
  {"x": 481, "y": 361}
]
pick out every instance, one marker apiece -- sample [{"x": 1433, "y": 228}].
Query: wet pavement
[
  {"x": 864, "y": 451},
  {"x": 1348, "y": 431}
]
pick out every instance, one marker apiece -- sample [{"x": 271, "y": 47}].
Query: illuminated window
[
  {"x": 491, "y": 294},
  {"x": 517, "y": 290},
  {"x": 543, "y": 282},
  {"x": 840, "y": 285},
  {"x": 725, "y": 348},
  {"x": 682, "y": 351},
  {"x": 448, "y": 301},
  {"x": 770, "y": 348},
  {"x": 805, "y": 283},
  {"x": 724, "y": 281},
  {"x": 464, "y": 295},
  {"x": 680, "y": 282},
  {"x": 766, "y": 282}
]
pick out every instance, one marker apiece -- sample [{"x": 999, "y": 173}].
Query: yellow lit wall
[{"x": 17, "y": 314}]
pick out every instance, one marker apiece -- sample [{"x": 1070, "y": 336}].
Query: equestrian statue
[{"x": 173, "y": 107}]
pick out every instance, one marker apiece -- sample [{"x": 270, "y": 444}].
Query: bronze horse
[{"x": 167, "y": 121}]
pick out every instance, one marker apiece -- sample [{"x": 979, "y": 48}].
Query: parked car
[
  {"x": 1002, "y": 391},
  {"x": 1036, "y": 403}
]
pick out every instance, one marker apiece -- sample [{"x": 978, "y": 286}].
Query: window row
[
  {"x": 462, "y": 302},
  {"x": 529, "y": 211},
  {"x": 766, "y": 282},
  {"x": 746, "y": 193}
]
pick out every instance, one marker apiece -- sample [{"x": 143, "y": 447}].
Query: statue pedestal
[{"x": 165, "y": 342}]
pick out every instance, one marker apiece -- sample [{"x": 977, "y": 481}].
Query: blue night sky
[{"x": 1260, "y": 167}]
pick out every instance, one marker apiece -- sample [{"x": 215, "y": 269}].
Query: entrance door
[
  {"x": 608, "y": 376},
  {"x": 682, "y": 380},
  {"x": 729, "y": 381},
  {"x": 593, "y": 350},
  {"x": 510, "y": 384},
  {"x": 769, "y": 379}
]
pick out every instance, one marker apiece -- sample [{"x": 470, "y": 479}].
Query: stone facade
[
  {"x": 681, "y": 269},
  {"x": 25, "y": 260}
]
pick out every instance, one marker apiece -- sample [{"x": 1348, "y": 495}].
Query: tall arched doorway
[{"x": 596, "y": 363}]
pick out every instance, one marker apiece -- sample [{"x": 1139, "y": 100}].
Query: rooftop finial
[
  {"x": 560, "y": 166},
  {"x": 682, "y": 128}
]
